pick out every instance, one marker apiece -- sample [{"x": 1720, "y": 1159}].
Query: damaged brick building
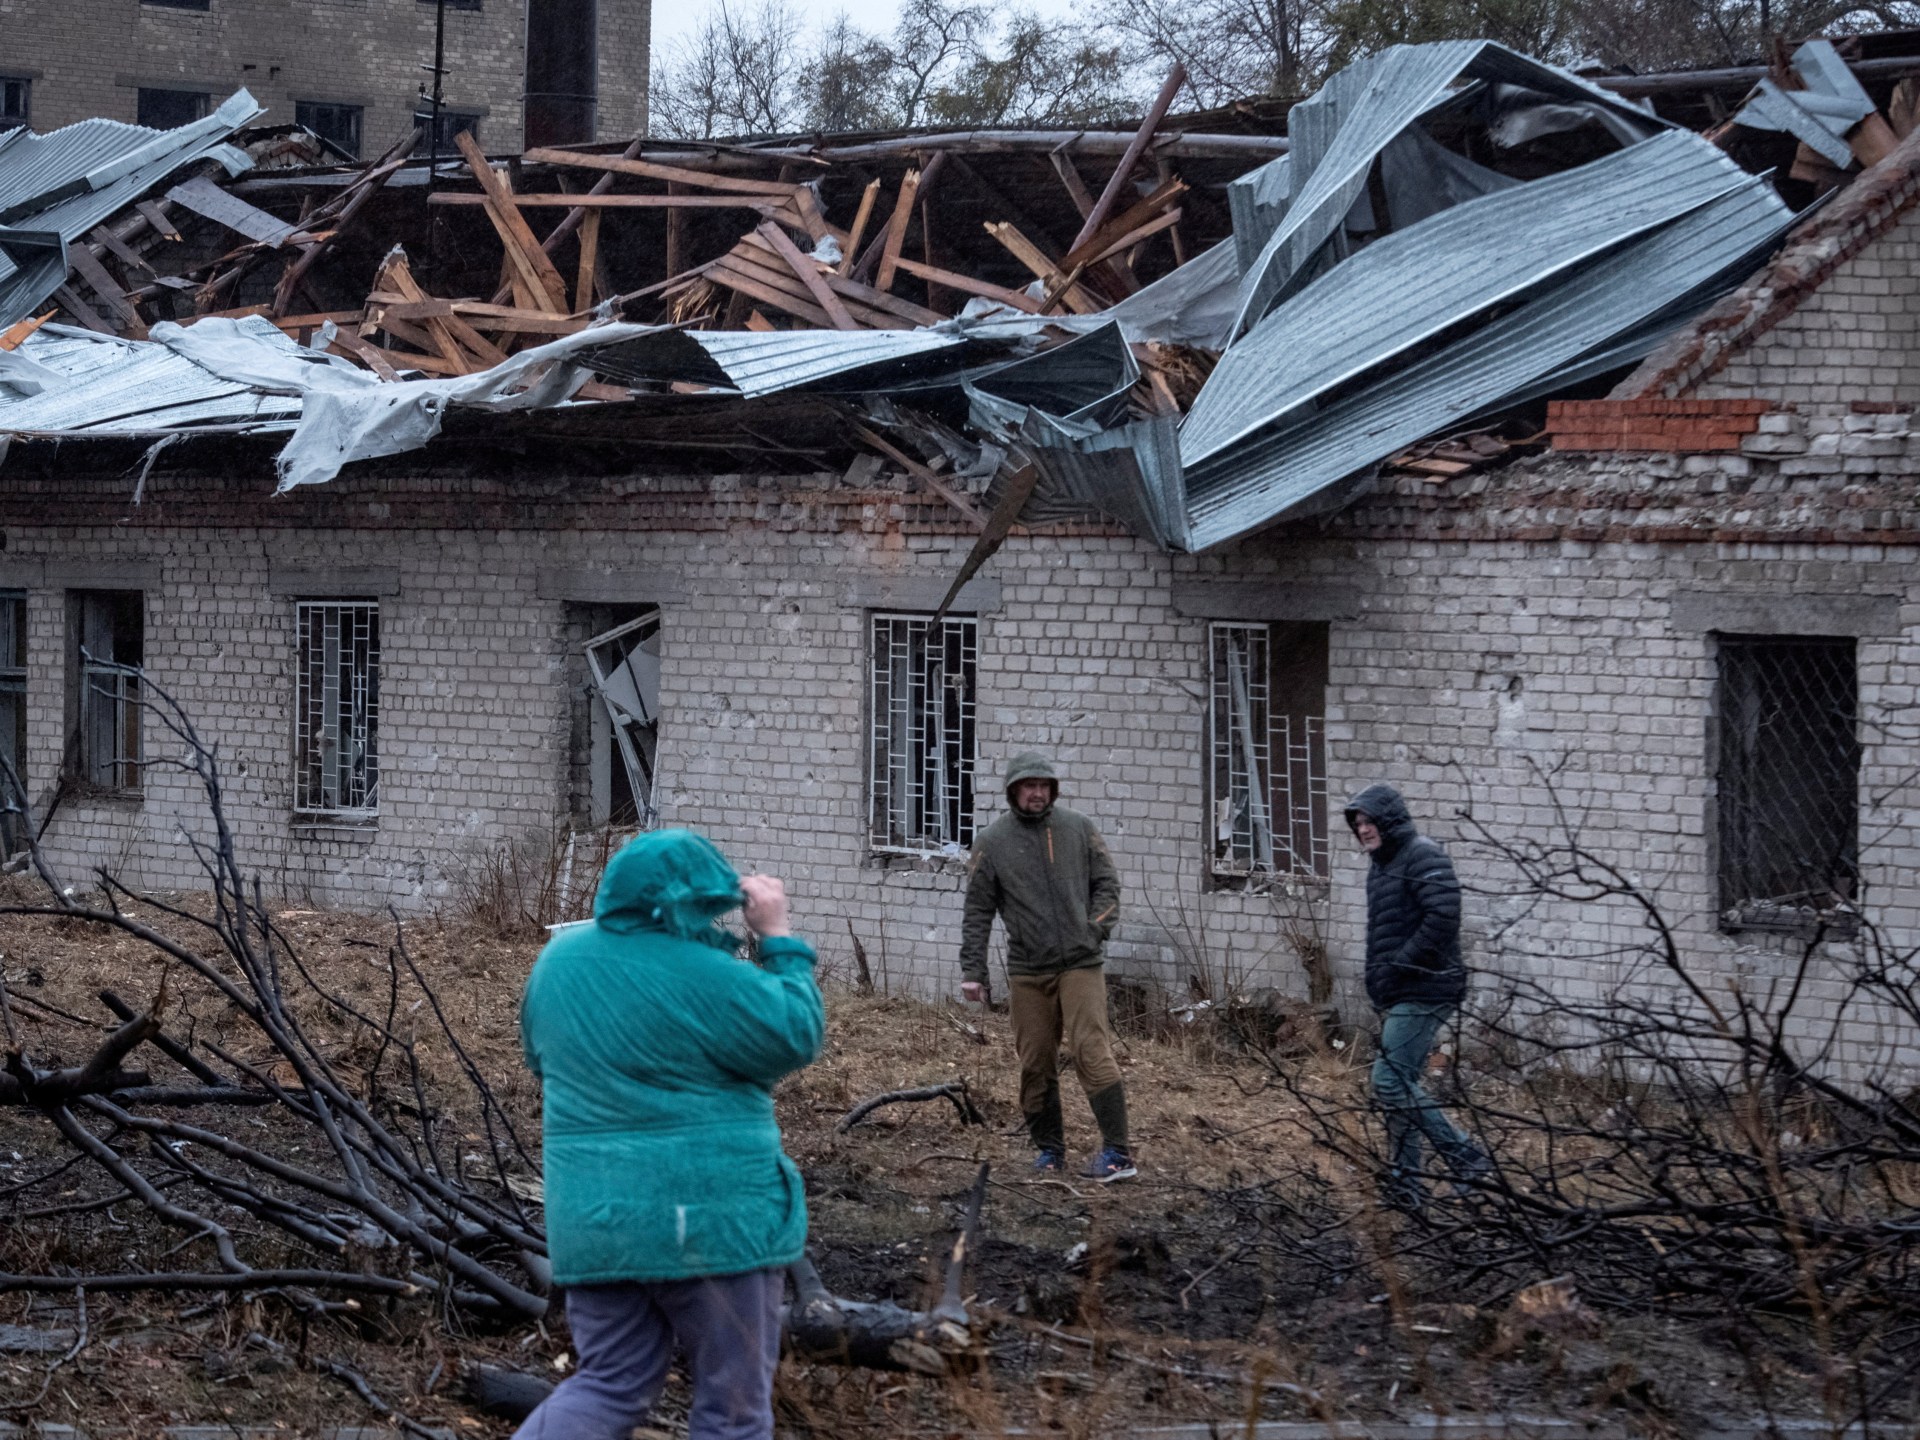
[{"x": 1681, "y": 620}]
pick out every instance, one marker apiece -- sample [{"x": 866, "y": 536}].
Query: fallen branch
[{"x": 954, "y": 1090}]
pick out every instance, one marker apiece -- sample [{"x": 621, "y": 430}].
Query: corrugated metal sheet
[
  {"x": 1265, "y": 479},
  {"x": 73, "y": 179},
  {"x": 1820, "y": 115},
  {"x": 756, "y": 362},
  {"x": 1337, "y": 133},
  {"x": 1085, "y": 379},
  {"x": 1410, "y": 286},
  {"x": 119, "y": 385}
]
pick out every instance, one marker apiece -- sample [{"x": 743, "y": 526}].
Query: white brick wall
[{"x": 1470, "y": 668}]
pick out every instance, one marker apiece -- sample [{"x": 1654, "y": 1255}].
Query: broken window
[
  {"x": 168, "y": 109},
  {"x": 337, "y": 125},
  {"x": 622, "y": 730},
  {"x": 1267, "y": 749},
  {"x": 107, "y": 630},
  {"x": 179, "y": 5},
  {"x": 922, "y": 754},
  {"x": 1789, "y": 777},
  {"x": 336, "y": 771},
  {"x": 14, "y": 94},
  {"x": 452, "y": 123}
]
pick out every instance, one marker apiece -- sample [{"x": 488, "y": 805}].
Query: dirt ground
[{"x": 1154, "y": 1301}]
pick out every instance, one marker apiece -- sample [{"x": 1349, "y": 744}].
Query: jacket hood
[
  {"x": 1031, "y": 765},
  {"x": 672, "y": 881},
  {"x": 1387, "y": 808}
]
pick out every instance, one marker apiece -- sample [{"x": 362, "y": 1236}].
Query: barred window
[
  {"x": 337, "y": 710},
  {"x": 13, "y": 704},
  {"x": 1267, "y": 749},
  {"x": 921, "y": 757},
  {"x": 1789, "y": 778},
  {"x": 107, "y": 630}
]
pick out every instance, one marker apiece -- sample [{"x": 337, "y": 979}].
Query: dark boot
[
  {"x": 1110, "y": 1113},
  {"x": 1047, "y": 1126}
]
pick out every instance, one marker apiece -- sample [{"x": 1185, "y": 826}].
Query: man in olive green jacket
[{"x": 1047, "y": 873}]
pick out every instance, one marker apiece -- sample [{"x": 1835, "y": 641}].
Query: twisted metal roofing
[
  {"x": 113, "y": 386},
  {"x": 54, "y": 188}
]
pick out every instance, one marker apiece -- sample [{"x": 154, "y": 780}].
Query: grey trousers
[{"x": 727, "y": 1325}]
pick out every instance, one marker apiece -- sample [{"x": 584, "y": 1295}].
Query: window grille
[
  {"x": 1267, "y": 749},
  {"x": 1789, "y": 776},
  {"x": 108, "y": 632},
  {"x": 337, "y": 766},
  {"x": 13, "y": 702},
  {"x": 922, "y": 754}
]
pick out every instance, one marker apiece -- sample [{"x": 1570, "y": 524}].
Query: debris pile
[{"x": 1224, "y": 329}]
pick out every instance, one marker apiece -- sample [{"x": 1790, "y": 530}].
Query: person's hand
[
  {"x": 765, "y": 908},
  {"x": 973, "y": 990}
]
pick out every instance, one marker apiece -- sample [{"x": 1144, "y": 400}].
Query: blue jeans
[
  {"x": 727, "y": 1325},
  {"x": 1407, "y": 1033}
]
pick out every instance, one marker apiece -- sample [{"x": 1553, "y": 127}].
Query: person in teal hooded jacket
[{"x": 671, "y": 1211}]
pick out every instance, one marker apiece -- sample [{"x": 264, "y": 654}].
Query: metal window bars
[
  {"x": 922, "y": 743},
  {"x": 1267, "y": 762},
  {"x": 337, "y": 709},
  {"x": 1789, "y": 777},
  {"x": 624, "y": 663}
]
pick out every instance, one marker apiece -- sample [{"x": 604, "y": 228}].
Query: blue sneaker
[
  {"x": 1109, "y": 1166},
  {"x": 1049, "y": 1162}
]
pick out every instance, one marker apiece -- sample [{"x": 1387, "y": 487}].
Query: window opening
[
  {"x": 169, "y": 109},
  {"x": 13, "y": 703},
  {"x": 1267, "y": 749},
  {"x": 923, "y": 684},
  {"x": 14, "y": 96},
  {"x": 337, "y": 710},
  {"x": 623, "y": 664},
  {"x": 337, "y": 125},
  {"x": 452, "y": 123},
  {"x": 1789, "y": 778},
  {"x": 108, "y": 627}
]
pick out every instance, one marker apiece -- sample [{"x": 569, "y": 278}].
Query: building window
[
  {"x": 13, "y": 707},
  {"x": 1267, "y": 749},
  {"x": 337, "y": 710},
  {"x": 921, "y": 760},
  {"x": 616, "y": 746},
  {"x": 337, "y": 125},
  {"x": 1789, "y": 779},
  {"x": 14, "y": 95},
  {"x": 108, "y": 630},
  {"x": 178, "y": 4},
  {"x": 452, "y": 123},
  {"x": 169, "y": 109}
]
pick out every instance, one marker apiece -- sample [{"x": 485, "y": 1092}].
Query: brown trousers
[{"x": 1046, "y": 1008}]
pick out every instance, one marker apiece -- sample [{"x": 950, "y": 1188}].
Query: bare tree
[
  {"x": 738, "y": 74},
  {"x": 1039, "y": 72},
  {"x": 1231, "y": 48}
]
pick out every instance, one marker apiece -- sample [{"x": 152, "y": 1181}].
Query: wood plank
[
  {"x": 893, "y": 305},
  {"x": 897, "y": 230},
  {"x": 926, "y": 476},
  {"x": 1013, "y": 499},
  {"x": 651, "y": 170},
  {"x": 859, "y": 230},
  {"x": 590, "y": 203},
  {"x": 361, "y": 191},
  {"x": 120, "y": 250},
  {"x": 757, "y": 321},
  {"x": 81, "y": 258},
  {"x": 473, "y": 340},
  {"x": 1090, "y": 251},
  {"x": 809, "y": 274},
  {"x": 1145, "y": 232},
  {"x": 1109, "y": 197},
  {"x": 452, "y": 337},
  {"x": 1028, "y": 254},
  {"x": 967, "y": 285},
  {"x": 15, "y": 334},
  {"x": 367, "y": 353},
  {"x": 530, "y": 262},
  {"x": 755, "y": 258},
  {"x": 1872, "y": 140},
  {"x": 589, "y": 258},
  {"x": 676, "y": 239},
  {"x": 1077, "y": 191},
  {"x": 156, "y": 216},
  {"x": 743, "y": 282}
]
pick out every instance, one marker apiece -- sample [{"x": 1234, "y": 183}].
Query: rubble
[{"x": 1242, "y": 327}]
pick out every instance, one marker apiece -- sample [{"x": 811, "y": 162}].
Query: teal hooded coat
[{"x": 659, "y": 1049}]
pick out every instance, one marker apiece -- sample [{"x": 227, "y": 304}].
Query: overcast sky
[{"x": 675, "y": 19}]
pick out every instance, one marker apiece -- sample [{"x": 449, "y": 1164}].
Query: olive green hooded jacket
[
  {"x": 1049, "y": 877},
  {"x": 659, "y": 1048}
]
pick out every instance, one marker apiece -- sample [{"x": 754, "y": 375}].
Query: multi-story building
[{"x": 518, "y": 72}]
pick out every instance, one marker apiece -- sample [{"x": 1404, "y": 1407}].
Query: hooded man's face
[
  {"x": 1030, "y": 797},
  {"x": 1366, "y": 832}
]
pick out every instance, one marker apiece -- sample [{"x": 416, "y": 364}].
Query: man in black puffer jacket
[{"x": 1415, "y": 980}]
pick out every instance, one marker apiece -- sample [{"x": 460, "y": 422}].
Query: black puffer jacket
[{"x": 1413, "y": 909}]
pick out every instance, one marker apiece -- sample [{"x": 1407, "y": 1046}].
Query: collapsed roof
[{"x": 1242, "y": 329}]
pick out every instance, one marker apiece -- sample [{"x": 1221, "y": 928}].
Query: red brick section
[{"x": 1688, "y": 427}]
